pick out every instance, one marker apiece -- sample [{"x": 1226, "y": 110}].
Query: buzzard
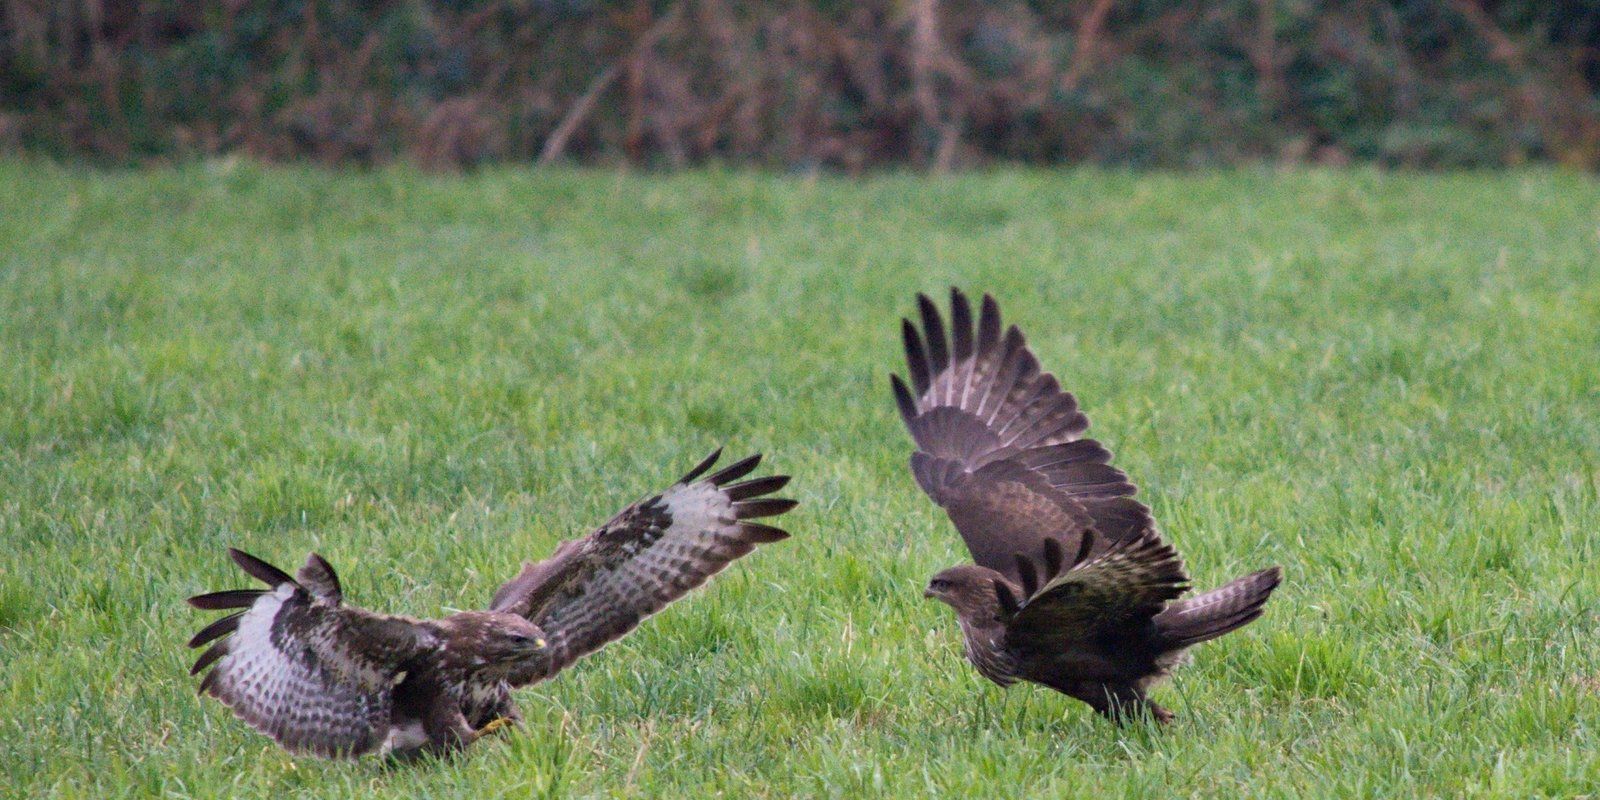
[
  {"x": 1071, "y": 586},
  {"x": 324, "y": 677}
]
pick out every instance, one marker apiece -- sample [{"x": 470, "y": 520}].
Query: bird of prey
[
  {"x": 326, "y": 678},
  {"x": 1071, "y": 587}
]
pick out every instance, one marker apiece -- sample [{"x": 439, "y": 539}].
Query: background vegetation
[
  {"x": 847, "y": 85},
  {"x": 1384, "y": 382}
]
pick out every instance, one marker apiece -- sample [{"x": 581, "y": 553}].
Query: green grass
[{"x": 1387, "y": 383}]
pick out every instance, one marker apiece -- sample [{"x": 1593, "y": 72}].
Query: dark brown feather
[
  {"x": 1009, "y": 604},
  {"x": 960, "y": 325},
  {"x": 700, "y": 468},
  {"x": 209, "y": 657},
  {"x": 756, "y": 487},
  {"x": 1219, "y": 611},
  {"x": 319, "y": 578},
  {"x": 218, "y": 627},
  {"x": 1027, "y": 575},
  {"x": 1085, "y": 545},
  {"x": 765, "y": 507},
  {"x": 902, "y": 399},
  {"x": 933, "y": 325},
  {"x": 206, "y": 682},
  {"x": 258, "y": 569},
  {"x": 761, "y": 534},
  {"x": 916, "y": 356},
  {"x": 988, "y": 325},
  {"x": 1052, "y": 555},
  {"x": 736, "y": 470},
  {"x": 232, "y": 598}
]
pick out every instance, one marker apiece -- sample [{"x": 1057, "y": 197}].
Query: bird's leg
[
  {"x": 1121, "y": 704},
  {"x": 1162, "y": 715},
  {"x": 502, "y": 715},
  {"x": 493, "y": 725},
  {"x": 448, "y": 729}
]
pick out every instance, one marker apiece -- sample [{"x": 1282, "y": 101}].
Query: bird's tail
[{"x": 1207, "y": 616}]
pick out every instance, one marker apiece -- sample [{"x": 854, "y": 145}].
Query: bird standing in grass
[
  {"x": 329, "y": 679},
  {"x": 1071, "y": 587}
]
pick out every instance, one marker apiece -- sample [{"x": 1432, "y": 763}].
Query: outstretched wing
[
  {"x": 300, "y": 666},
  {"x": 1121, "y": 587},
  {"x": 999, "y": 442},
  {"x": 594, "y": 590}
]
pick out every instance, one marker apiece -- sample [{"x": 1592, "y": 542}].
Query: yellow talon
[{"x": 493, "y": 725}]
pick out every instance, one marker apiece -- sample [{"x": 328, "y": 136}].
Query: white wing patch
[
  {"x": 653, "y": 552},
  {"x": 279, "y": 685},
  {"x": 649, "y": 569}
]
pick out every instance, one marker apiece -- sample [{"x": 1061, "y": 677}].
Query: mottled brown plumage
[
  {"x": 1071, "y": 587},
  {"x": 330, "y": 679}
]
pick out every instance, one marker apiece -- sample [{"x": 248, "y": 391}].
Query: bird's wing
[
  {"x": 594, "y": 590},
  {"x": 999, "y": 441},
  {"x": 1122, "y": 586},
  {"x": 299, "y": 665}
]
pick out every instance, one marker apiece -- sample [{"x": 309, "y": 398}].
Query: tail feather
[{"x": 1207, "y": 616}]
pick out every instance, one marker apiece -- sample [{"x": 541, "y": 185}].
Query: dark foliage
[{"x": 820, "y": 83}]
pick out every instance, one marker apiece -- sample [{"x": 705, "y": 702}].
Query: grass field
[{"x": 1388, "y": 384}]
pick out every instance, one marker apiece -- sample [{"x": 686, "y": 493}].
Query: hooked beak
[{"x": 928, "y": 593}]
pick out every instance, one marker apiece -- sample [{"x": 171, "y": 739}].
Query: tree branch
[{"x": 556, "y": 144}]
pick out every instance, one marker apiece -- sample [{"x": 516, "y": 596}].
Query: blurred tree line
[{"x": 808, "y": 83}]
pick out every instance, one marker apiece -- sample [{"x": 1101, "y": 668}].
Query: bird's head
[
  {"x": 495, "y": 641},
  {"x": 515, "y": 638},
  {"x": 969, "y": 589}
]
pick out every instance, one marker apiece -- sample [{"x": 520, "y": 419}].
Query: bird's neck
[
  {"x": 980, "y": 617},
  {"x": 985, "y": 647}
]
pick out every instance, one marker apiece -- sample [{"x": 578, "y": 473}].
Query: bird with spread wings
[
  {"x": 1071, "y": 586},
  {"x": 330, "y": 679}
]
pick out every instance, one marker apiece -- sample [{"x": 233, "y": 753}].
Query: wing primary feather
[
  {"x": 1029, "y": 577},
  {"x": 962, "y": 365},
  {"x": 933, "y": 328},
  {"x": 258, "y": 569},
  {"x": 1010, "y": 367},
  {"x": 761, "y": 534},
  {"x": 1008, "y": 600},
  {"x": 903, "y": 399},
  {"x": 701, "y": 467},
  {"x": 319, "y": 577},
  {"x": 232, "y": 598},
  {"x": 916, "y": 357},
  {"x": 208, "y": 658},
  {"x": 736, "y": 470},
  {"x": 1052, "y": 557},
  {"x": 765, "y": 507},
  {"x": 218, "y": 628},
  {"x": 1085, "y": 544},
  {"x": 960, "y": 324},
  {"x": 755, "y": 487},
  {"x": 1035, "y": 399},
  {"x": 1057, "y": 417},
  {"x": 988, "y": 324},
  {"x": 205, "y": 683}
]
